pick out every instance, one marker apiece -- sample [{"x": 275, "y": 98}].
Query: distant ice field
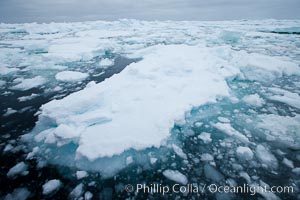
[{"x": 231, "y": 84}]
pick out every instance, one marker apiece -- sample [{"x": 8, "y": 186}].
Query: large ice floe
[{"x": 174, "y": 72}]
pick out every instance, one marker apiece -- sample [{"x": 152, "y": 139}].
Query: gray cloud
[{"x": 14, "y": 11}]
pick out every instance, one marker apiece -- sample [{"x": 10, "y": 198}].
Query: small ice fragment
[
  {"x": 51, "y": 186},
  {"x": 207, "y": 157},
  {"x": 129, "y": 160},
  {"x": 18, "y": 194},
  {"x": 26, "y": 98},
  {"x": 229, "y": 130},
  {"x": 205, "y": 137},
  {"x": 266, "y": 157},
  {"x": 81, "y": 174},
  {"x": 245, "y": 176},
  {"x": 296, "y": 170},
  {"x": 254, "y": 100},
  {"x": 106, "y": 62},
  {"x": 18, "y": 169},
  {"x": 244, "y": 153},
  {"x": 69, "y": 76},
  {"x": 212, "y": 173},
  {"x": 153, "y": 161},
  {"x": 8, "y": 147},
  {"x": 176, "y": 176},
  {"x": 30, "y": 83},
  {"x": 223, "y": 119},
  {"x": 88, "y": 195},
  {"x": 179, "y": 151},
  {"x": 9, "y": 111},
  {"x": 288, "y": 163},
  {"x": 198, "y": 124},
  {"x": 76, "y": 192}
]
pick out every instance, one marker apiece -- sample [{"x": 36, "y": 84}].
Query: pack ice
[{"x": 183, "y": 65}]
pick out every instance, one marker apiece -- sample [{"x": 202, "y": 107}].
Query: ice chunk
[
  {"x": 30, "y": 83},
  {"x": 266, "y": 157},
  {"x": 18, "y": 169},
  {"x": 254, "y": 100},
  {"x": 179, "y": 151},
  {"x": 296, "y": 170},
  {"x": 283, "y": 129},
  {"x": 69, "y": 76},
  {"x": 26, "y": 98},
  {"x": 51, "y": 186},
  {"x": 9, "y": 111},
  {"x": 8, "y": 147},
  {"x": 288, "y": 163},
  {"x": 175, "y": 176},
  {"x": 205, "y": 137},
  {"x": 106, "y": 62},
  {"x": 245, "y": 176},
  {"x": 81, "y": 174},
  {"x": 76, "y": 192},
  {"x": 88, "y": 195},
  {"x": 153, "y": 160},
  {"x": 284, "y": 96},
  {"x": 229, "y": 130},
  {"x": 207, "y": 157},
  {"x": 18, "y": 194},
  {"x": 129, "y": 160},
  {"x": 212, "y": 173},
  {"x": 244, "y": 153}
]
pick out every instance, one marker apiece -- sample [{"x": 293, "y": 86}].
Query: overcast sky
[{"x": 17, "y": 11}]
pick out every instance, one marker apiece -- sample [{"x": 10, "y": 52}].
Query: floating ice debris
[
  {"x": 212, "y": 174},
  {"x": 26, "y": 98},
  {"x": 30, "y": 83},
  {"x": 81, "y": 174},
  {"x": 175, "y": 176},
  {"x": 129, "y": 160},
  {"x": 106, "y": 62},
  {"x": 9, "y": 111},
  {"x": 69, "y": 76},
  {"x": 207, "y": 157},
  {"x": 288, "y": 163},
  {"x": 179, "y": 151},
  {"x": 284, "y": 96},
  {"x": 51, "y": 187},
  {"x": 18, "y": 169},
  {"x": 18, "y": 194},
  {"x": 244, "y": 153},
  {"x": 254, "y": 100},
  {"x": 229, "y": 130},
  {"x": 266, "y": 157},
  {"x": 205, "y": 137},
  {"x": 76, "y": 192},
  {"x": 88, "y": 195}
]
